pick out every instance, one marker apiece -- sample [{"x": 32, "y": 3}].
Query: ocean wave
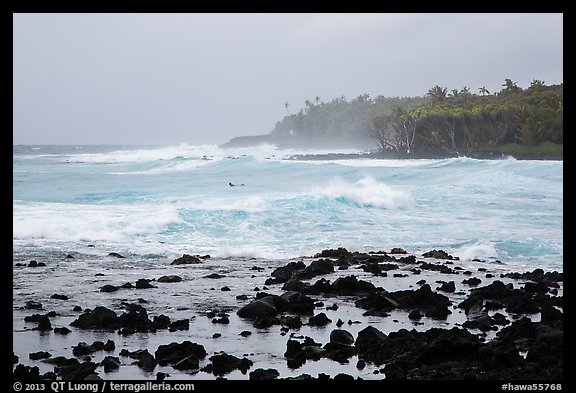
[
  {"x": 74, "y": 222},
  {"x": 366, "y": 192}
]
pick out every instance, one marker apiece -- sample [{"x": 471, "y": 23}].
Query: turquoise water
[{"x": 175, "y": 199}]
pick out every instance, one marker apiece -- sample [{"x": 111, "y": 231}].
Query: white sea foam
[
  {"x": 367, "y": 192},
  {"x": 146, "y": 154},
  {"x": 478, "y": 250},
  {"x": 491, "y": 209},
  {"x": 248, "y": 204},
  {"x": 71, "y": 222}
]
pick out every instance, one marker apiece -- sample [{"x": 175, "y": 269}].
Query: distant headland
[{"x": 521, "y": 123}]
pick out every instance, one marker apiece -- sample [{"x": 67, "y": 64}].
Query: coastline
[
  {"x": 386, "y": 315},
  {"x": 487, "y": 155}
]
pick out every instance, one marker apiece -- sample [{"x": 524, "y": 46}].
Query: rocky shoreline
[
  {"x": 385, "y": 314},
  {"x": 394, "y": 155}
]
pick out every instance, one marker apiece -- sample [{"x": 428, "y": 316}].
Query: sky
[{"x": 201, "y": 78}]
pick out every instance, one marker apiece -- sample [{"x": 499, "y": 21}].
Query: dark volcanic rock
[
  {"x": 284, "y": 273},
  {"x": 434, "y": 348},
  {"x": 447, "y": 287},
  {"x": 188, "y": 363},
  {"x": 473, "y": 281},
  {"x": 316, "y": 268},
  {"x": 224, "y": 363},
  {"x": 482, "y": 322},
  {"x": 146, "y": 361},
  {"x": 297, "y": 353},
  {"x": 298, "y": 302},
  {"x": 548, "y": 279},
  {"x": 99, "y": 318},
  {"x": 109, "y": 288},
  {"x": 110, "y": 363},
  {"x": 59, "y": 297},
  {"x": 43, "y": 323},
  {"x": 549, "y": 314},
  {"x": 160, "y": 376},
  {"x": 82, "y": 349},
  {"x": 433, "y": 305},
  {"x": 32, "y": 305},
  {"x": 261, "y": 374},
  {"x": 144, "y": 283},
  {"x": 377, "y": 303},
  {"x": 39, "y": 355},
  {"x": 74, "y": 370},
  {"x": 368, "y": 341},
  {"x": 26, "y": 373},
  {"x": 257, "y": 309},
  {"x": 333, "y": 253},
  {"x": 296, "y": 285},
  {"x": 174, "y": 352},
  {"x": 516, "y": 300},
  {"x": 341, "y": 336},
  {"x": 319, "y": 320},
  {"x": 215, "y": 276},
  {"x": 186, "y": 260},
  {"x": 348, "y": 286},
  {"x": 439, "y": 254},
  {"x": 115, "y": 255},
  {"x": 172, "y": 278},
  {"x": 339, "y": 352},
  {"x": 437, "y": 268},
  {"x": 162, "y": 321},
  {"x": 183, "y": 324},
  {"x": 35, "y": 263},
  {"x": 136, "y": 319}
]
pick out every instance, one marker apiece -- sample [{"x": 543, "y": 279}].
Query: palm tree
[
  {"x": 286, "y": 105},
  {"x": 537, "y": 84},
  {"x": 437, "y": 93},
  {"x": 509, "y": 86},
  {"x": 483, "y": 90}
]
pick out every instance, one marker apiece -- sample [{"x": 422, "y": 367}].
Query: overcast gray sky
[{"x": 204, "y": 78}]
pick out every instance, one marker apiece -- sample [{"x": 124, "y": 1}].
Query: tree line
[{"x": 457, "y": 121}]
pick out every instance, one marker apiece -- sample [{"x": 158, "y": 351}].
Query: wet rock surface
[{"x": 353, "y": 315}]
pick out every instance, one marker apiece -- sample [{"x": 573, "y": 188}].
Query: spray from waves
[
  {"x": 366, "y": 192},
  {"x": 68, "y": 222},
  {"x": 477, "y": 250},
  {"x": 183, "y": 151}
]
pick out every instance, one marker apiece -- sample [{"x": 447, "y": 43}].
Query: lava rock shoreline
[{"x": 512, "y": 329}]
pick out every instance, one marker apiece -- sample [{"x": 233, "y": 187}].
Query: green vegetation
[
  {"x": 340, "y": 117},
  {"x": 547, "y": 149},
  {"x": 512, "y": 121}
]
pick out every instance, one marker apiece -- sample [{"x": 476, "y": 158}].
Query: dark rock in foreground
[
  {"x": 172, "y": 278},
  {"x": 224, "y": 363},
  {"x": 99, "y": 318},
  {"x": 439, "y": 254},
  {"x": 174, "y": 353},
  {"x": 186, "y": 259},
  {"x": 257, "y": 309},
  {"x": 431, "y": 304},
  {"x": 261, "y": 374}
]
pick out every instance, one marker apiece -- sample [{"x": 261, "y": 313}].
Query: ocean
[
  {"x": 159, "y": 202},
  {"x": 75, "y": 205}
]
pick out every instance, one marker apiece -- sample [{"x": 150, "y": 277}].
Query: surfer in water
[{"x": 234, "y": 185}]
